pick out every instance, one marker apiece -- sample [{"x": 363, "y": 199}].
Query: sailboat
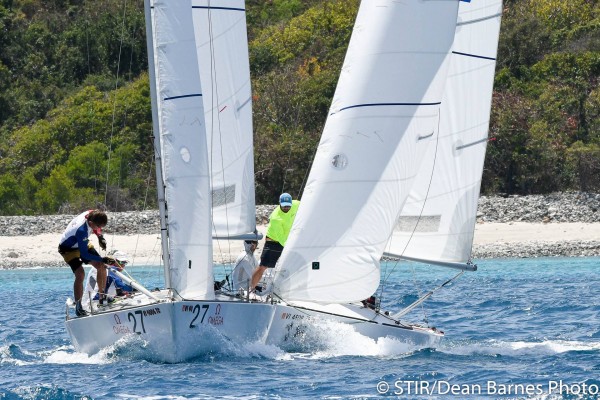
[
  {"x": 201, "y": 102},
  {"x": 398, "y": 168},
  {"x": 388, "y": 126}
]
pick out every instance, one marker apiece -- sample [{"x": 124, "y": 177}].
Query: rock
[{"x": 551, "y": 208}]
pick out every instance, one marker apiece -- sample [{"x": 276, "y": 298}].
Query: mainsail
[
  {"x": 438, "y": 221},
  {"x": 183, "y": 149},
  {"x": 384, "y": 113},
  {"x": 222, "y": 50}
]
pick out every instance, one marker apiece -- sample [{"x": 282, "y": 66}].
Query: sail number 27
[
  {"x": 139, "y": 315},
  {"x": 196, "y": 311}
]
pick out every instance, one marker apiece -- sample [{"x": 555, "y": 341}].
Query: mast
[{"x": 160, "y": 187}]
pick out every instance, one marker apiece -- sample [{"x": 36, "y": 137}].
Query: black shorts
[
  {"x": 270, "y": 254},
  {"x": 73, "y": 257}
]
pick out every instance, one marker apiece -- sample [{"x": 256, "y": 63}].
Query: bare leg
[
  {"x": 100, "y": 277},
  {"x": 78, "y": 284},
  {"x": 256, "y": 276}
]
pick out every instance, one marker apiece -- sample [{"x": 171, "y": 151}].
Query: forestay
[
  {"x": 222, "y": 50},
  {"x": 183, "y": 149},
  {"x": 384, "y": 113},
  {"x": 438, "y": 220}
]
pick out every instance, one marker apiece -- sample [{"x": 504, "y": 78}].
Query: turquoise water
[{"x": 514, "y": 329}]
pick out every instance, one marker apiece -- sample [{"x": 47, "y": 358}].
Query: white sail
[
  {"x": 438, "y": 221},
  {"x": 183, "y": 149},
  {"x": 222, "y": 49},
  {"x": 384, "y": 112}
]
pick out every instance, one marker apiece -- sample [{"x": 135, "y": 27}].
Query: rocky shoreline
[{"x": 548, "y": 209}]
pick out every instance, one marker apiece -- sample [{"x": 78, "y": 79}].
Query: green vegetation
[{"x": 75, "y": 115}]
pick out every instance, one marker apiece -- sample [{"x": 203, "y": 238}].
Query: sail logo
[
  {"x": 216, "y": 320},
  {"x": 121, "y": 330}
]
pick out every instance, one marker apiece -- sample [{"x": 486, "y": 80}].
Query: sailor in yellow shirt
[{"x": 280, "y": 224}]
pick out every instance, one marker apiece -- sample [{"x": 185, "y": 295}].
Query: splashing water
[{"x": 513, "y": 321}]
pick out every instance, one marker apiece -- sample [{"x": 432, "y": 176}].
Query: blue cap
[{"x": 285, "y": 200}]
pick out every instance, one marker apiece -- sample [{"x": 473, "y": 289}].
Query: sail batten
[
  {"x": 388, "y": 105},
  {"x": 474, "y": 55},
  {"x": 183, "y": 96},
  {"x": 219, "y": 8}
]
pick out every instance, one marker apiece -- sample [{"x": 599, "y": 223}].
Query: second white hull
[
  {"x": 292, "y": 321},
  {"x": 179, "y": 330}
]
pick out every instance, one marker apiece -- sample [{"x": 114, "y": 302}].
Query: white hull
[
  {"x": 291, "y": 321},
  {"x": 179, "y": 330},
  {"x": 173, "y": 331}
]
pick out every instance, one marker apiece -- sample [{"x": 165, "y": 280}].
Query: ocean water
[{"x": 514, "y": 329}]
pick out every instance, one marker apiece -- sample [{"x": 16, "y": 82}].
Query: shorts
[
  {"x": 270, "y": 254},
  {"x": 73, "y": 257}
]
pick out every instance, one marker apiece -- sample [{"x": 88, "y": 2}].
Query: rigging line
[
  {"x": 156, "y": 253},
  {"x": 290, "y": 155},
  {"x": 112, "y": 238},
  {"x": 118, "y": 192},
  {"x": 91, "y": 108},
  {"x": 285, "y": 171},
  {"x": 121, "y": 167},
  {"x": 308, "y": 170},
  {"x": 437, "y": 141},
  {"x": 423, "y": 310},
  {"x": 144, "y": 206},
  {"x": 424, "y": 202},
  {"x": 92, "y": 111},
  {"x": 422, "y": 299},
  {"x": 155, "y": 150},
  {"x": 214, "y": 90},
  {"x": 112, "y": 125}
]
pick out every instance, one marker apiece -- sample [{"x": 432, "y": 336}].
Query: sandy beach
[
  {"x": 145, "y": 249},
  {"x": 517, "y": 232}
]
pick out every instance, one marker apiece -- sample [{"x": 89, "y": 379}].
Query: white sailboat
[
  {"x": 405, "y": 140},
  {"x": 377, "y": 150},
  {"x": 201, "y": 105}
]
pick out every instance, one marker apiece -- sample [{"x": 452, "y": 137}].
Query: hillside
[{"x": 75, "y": 113}]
